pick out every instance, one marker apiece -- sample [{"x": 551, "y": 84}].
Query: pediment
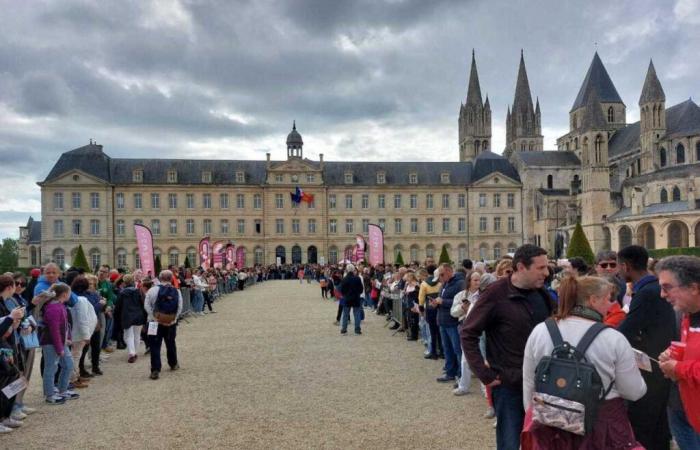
[
  {"x": 496, "y": 179},
  {"x": 295, "y": 165},
  {"x": 75, "y": 177}
]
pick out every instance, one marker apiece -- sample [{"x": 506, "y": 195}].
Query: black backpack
[
  {"x": 568, "y": 389},
  {"x": 166, "y": 305}
]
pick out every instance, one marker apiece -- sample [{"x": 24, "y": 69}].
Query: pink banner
[
  {"x": 218, "y": 254},
  {"x": 230, "y": 255},
  {"x": 359, "y": 253},
  {"x": 204, "y": 250},
  {"x": 240, "y": 257},
  {"x": 144, "y": 242},
  {"x": 376, "y": 245}
]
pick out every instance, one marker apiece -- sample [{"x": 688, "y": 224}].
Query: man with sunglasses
[
  {"x": 649, "y": 327},
  {"x": 606, "y": 267}
]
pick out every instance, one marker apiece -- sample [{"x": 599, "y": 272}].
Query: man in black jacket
[
  {"x": 351, "y": 288},
  {"x": 507, "y": 311},
  {"x": 649, "y": 327}
]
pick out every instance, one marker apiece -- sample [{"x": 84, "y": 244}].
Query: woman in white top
[
  {"x": 582, "y": 302},
  {"x": 460, "y": 307}
]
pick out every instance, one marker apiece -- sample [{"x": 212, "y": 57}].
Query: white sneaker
[
  {"x": 490, "y": 413},
  {"x": 460, "y": 391},
  {"x": 18, "y": 415},
  {"x": 5, "y": 430},
  {"x": 12, "y": 423},
  {"x": 28, "y": 411}
]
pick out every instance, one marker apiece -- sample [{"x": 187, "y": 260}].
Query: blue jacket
[
  {"x": 43, "y": 285},
  {"x": 454, "y": 286}
]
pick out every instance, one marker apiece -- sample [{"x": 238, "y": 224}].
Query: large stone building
[{"x": 625, "y": 183}]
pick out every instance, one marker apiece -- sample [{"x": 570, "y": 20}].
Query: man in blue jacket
[{"x": 452, "y": 284}]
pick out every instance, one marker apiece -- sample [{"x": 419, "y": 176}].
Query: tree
[
  {"x": 399, "y": 259},
  {"x": 158, "y": 267},
  {"x": 80, "y": 261},
  {"x": 187, "y": 263},
  {"x": 444, "y": 256},
  {"x": 9, "y": 255},
  {"x": 579, "y": 246}
]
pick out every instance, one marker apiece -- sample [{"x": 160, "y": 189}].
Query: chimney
[
  {"x": 268, "y": 159},
  {"x": 320, "y": 158}
]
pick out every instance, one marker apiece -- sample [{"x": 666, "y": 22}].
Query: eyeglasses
[
  {"x": 668, "y": 287},
  {"x": 605, "y": 265},
  {"x": 21, "y": 284}
]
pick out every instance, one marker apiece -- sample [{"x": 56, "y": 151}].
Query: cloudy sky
[{"x": 364, "y": 79}]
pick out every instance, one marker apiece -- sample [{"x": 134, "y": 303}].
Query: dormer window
[
  {"x": 137, "y": 176},
  {"x": 412, "y": 178},
  {"x": 279, "y": 178},
  {"x": 348, "y": 177},
  {"x": 310, "y": 178},
  {"x": 240, "y": 177},
  {"x": 172, "y": 176},
  {"x": 444, "y": 178},
  {"x": 381, "y": 177},
  {"x": 206, "y": 176}
]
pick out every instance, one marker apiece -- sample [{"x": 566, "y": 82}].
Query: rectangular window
[
  {"x": 240, "y": 201},
  {"x": 223, "y": 201},
  {"x": 445, "y": 225},
  {"x": 348, "y": 177},
  {"x": 257, "y": 201},
  {"x": 75, "y": 200},
  {"x": 172, "y": 201},
  {"x": 511, "y": 224},
  {"x": 224, "y": 226},
  {"x": 207, "y": 226},
  {"x": 397, "y": 201},
  {"x": 413, "y": 201},
  {"x": 240, "y": 226},
  {"x": 119, "y": 200},
  {"x": 312, "y": 203},
  {"x": 414, "y": 225},
  {"x": 296, "y": 226},
  {"x": 381, "y": 178},
  {"x": 279, "y": 178},
  {"x": 206, "y": 201},
  {"x": 349, "y": 226},
  {"x": 310, "y": 178},
  {"x": 445, "y": 201},
  {"x": 445, "y": 178},
  {"x": 382, "y": 224},
  {"x": 121, "y": 228},
  {"x": 482, "y": 200},
  {"x": 312, "y": 226},
  {"x": 206, "y": 177},
  {"x": 461, "y": 201},
  {"x": 381, "y": 201},
  {"x": 348, "y": 201},
  {"x": 429, "y": 225},
  {"x": 76, "y": 228},
  {"x": 155, "y": 227},
  {"x": 240, "y": 177},
  {"x": 462, "y": 225},
  {"x": 365, "y": 201},
  {"x": 155, "y": 200},
  {"x": 497, "y": 224},
  {"x": 190, "y": 201},
  {"x": 279, "y": 201},
  {"x": 482, "y": 224},
  {"x": 172, "y": 176},
  {"x": 138, "y": 201},
  {"x": 279, "y": 226},
  {"x": 496, "y": 200},
  {"x": 511, "y": 200},
  {"x": 190, "y": 226},
  {"x": 258, "y": 226},
  {"x": 397, "y": 226},
  {"x": 137, "y": 176},
  {"x": 172, "y": 226},
  {"x": 429, "y": 201},
  {"x": 58, "y": 201},
  {"x": 95, "y": 200},
  {"x": 138, "y": 222},
  {"x": 331, "y": 201},
  {"x": 365, "y": 225},
  {"x": 58, "y": 228},
  {"x": 333, "y": 226},
  {"x": 413, "y": 178}
]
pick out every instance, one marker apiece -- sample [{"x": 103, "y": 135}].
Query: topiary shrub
[
  {"x": 80, "y": 261},
  {"x": 158, "y": 267},
  {"x": 399, "y": 259},
  {"x": 579, "y": 246},
  {"x": 444, "y": 255}
]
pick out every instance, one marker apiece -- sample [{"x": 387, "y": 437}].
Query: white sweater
[
  {"x": 610, "y": 353},
  {"x": 84, "y": 319}
]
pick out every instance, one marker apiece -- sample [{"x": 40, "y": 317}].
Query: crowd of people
[
  {"x": 71, "y": 314},
  {"x": 506, "y": 321}
]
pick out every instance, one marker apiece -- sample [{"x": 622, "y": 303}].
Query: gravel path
[{"x": 269, "y": 370}]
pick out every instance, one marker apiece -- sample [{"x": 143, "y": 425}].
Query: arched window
[
  {"x": 121, "y": 258},
  {"x": 663, "y": 196},
  {"x": 697, "y": 151},
  {"x": 611, "y": 115},
  {"x": 173, "y": 257},
  {"x": 462, "y": 252},
  {"x": 677, "y": 233},
  {"x": 662, "y": 157},
  {"x": 497, "y": 250},
  {"x": 95, "y": 259},
  {"x": 281, "y": 253},
  {"x": 259, "y": 256},
  {"x": 598, "y": 149},
  {"x": 32, "y": 255},
  {"x": 584, "y": 151},
  {"x": 483, "y": 251},
  {"x": 333, "y": 255},
  {"x": 512, "y": 247},
  {"x": 522, "y": 146},
  {"x": 624, "y": 236},
  {"x": 676, "y": 195},
  {"x": 192, "y": 257},
  {"x": 137, "y": 260},
  {"x": 312, "y": 254},
  {"x": 576, "y": 143},
  {"x": 680, "y": 154},
  {"x": 430, "y": 251},
  {"x": 414, "y": 253},
  {"x": 550, "y": 182},
  {"x": 59, "y": 257},
  {"x": 477, "y": 146},
  {"x": 607, "y": 239},
  {"x": 532, "y": 146},
  {"x": 484, "y": 146}
]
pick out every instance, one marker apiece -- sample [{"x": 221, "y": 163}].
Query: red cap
[
  {"x": 35, "y": 273},
  {"x": 113, "y": 277}
]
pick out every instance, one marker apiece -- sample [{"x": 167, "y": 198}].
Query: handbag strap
[
  {"x": 590, "y": 335},
  {"x": 554, "y": 332}
]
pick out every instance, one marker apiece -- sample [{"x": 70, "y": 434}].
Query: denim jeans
[
  {"x": 167, "y": 334},
  {"x": 686, "y": 437},
  {"x": 508, "y": 403},
  {"x": 453, "y": 350},
  {"x": 109, "y": 325},
  {"x": 198, "y": 301},
  {"x": 51, "y": 362},
  {"x": 357, "y": 317},
  {"x": 424, "y": 332}
]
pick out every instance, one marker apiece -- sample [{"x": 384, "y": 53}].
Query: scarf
[{"x": 586, "y": 313}]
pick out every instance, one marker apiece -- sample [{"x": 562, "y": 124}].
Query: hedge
[{"x": 661, "y": 252}]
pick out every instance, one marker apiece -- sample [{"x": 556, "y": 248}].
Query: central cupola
[{"x": 295, "y": 145}]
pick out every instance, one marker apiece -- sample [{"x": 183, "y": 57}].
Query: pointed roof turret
[
  {"x": 474, "y": 90},
  {"x": 593, "y": 118},
  {"x": 652, "y": 90},
  {"x": 597, "y": 79},
  {"x": 537, "y": 108},
  {"x": 523, "y": 97},
  {"x": 487, "y": 105},
  {"x": 294, "y": 138}
]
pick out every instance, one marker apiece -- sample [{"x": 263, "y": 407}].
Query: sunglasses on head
[{"x": 605, "y": 265}]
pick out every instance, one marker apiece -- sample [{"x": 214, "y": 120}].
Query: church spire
[
  {"x": 652, "y": 90},
  {"x": 523, "y": 98},
  {"x": 474, "y": 89}
]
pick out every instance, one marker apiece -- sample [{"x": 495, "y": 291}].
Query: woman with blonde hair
[
  {"x": 504, "y": 268},
  {"x": 133, "y": 316},
  {"x": 583, "y": 302}
]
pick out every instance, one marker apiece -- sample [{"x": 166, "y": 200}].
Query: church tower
[
  {"x": 523, "y": 122},
  {"x": 474, "y": 123},
  {"x": 652, "y": 121},
  {"x": 295, "y": 145}
]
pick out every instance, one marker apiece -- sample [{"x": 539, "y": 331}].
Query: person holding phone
[{"x": 9, "y": 370}]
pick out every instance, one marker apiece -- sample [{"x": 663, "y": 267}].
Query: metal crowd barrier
[
  {"x": 186, "y": 302},
  {"x": 397, "y": 312}
]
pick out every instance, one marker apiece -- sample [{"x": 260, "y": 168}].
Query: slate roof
[
  {"x": 593, "y": 114},
  {"x": 33, "y": 231},
  {"x": 656, "y": 208},
  {"x": 680, "y": 171},
  {"x": 624, "y": 140},
  {"x": 294, "y": 137},
  {"x": 90, "y": 159},
  {"x": 598, "y": 80},
  {"x": 652, "y": 90},
  {"x": 189, "y": 171},
  {"x": 523, "y": 98},
  {"x": 555, "y": 192},
  {"x": 397, "y": 173},
  {"x": 474, "y": 89},
  {"x": 488, "y": 162},
  {"x": 549, "y": 158}
]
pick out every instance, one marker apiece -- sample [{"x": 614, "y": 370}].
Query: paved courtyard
[{"x": 269, "y": 370}]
